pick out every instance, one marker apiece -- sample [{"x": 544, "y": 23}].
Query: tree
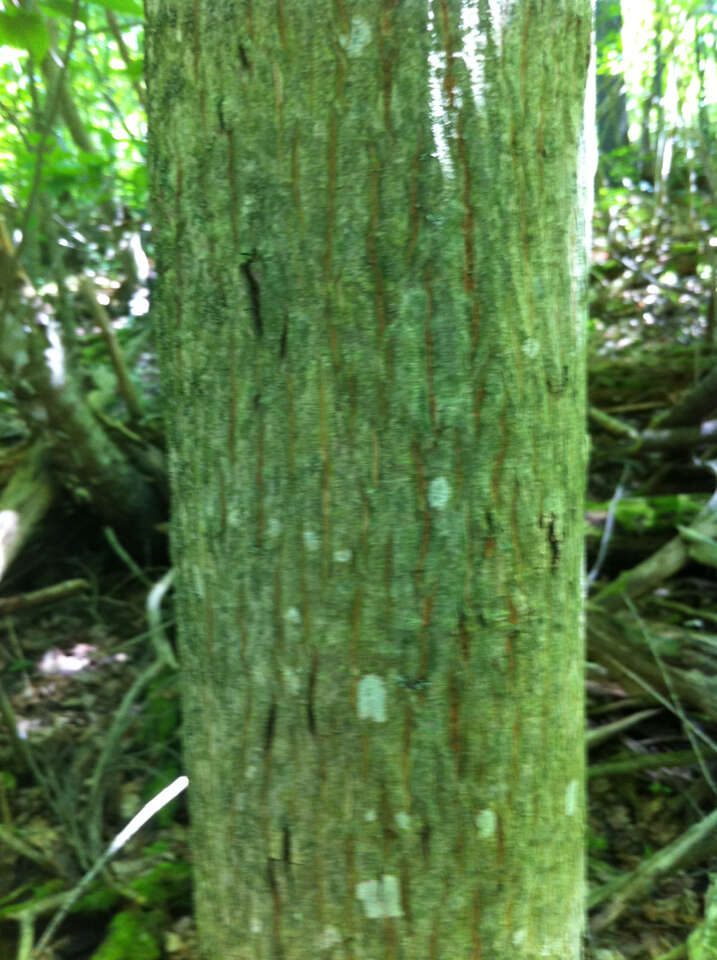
[
  {"x": 370, "y": 234},
  {"x": 611, "y": 96}
]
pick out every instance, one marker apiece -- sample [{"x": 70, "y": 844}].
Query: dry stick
[
  {"x": 679, "y": 710},
  {"x": 695, "y": 404},
  {"x": 685, "y": 848},
  {"x": 124, "y": 53},
  {"x": 613, "y": 425},
  {"x": 661, "y": 565},
  {"x": 691, "y": 845},
  {"x": 26, "y": 917},
  {"x": 100, "y": 317},
  {"x": 607, "y": 730},
  {"x": 36, "y": 598},
  {"x": 643, "y": 761},
  {"x": 11, "y": 838},
  {"x": 138, "y": 821},
  {"x": 636, "y": 678},
  {"x": 24, "y": 502},
  {"x": 612, "y": 642},
  {"x": 125, "y": 557},
  {"x": 676, "y": 953}
]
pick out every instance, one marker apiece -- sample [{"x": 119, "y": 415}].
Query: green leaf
[
  {"x": 130, "y": 8},
  {"x": 64, "y": 7},
  {"x": 17, "y": 665},
  {"x": 135, "y": 69},
  {"x": 24, "y": 31},
  {"x": 7, "y": 780},
  {"x": 130, "y": 938}
]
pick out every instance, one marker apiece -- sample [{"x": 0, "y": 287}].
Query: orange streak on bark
[
  {"x": 295, "y": 178},
  {"x": 468, "y": 228},
  {"x": 449, "y": 83},
  {"x": 371, "y": 244},
  {"x": 281, "y": 22},
  {"x": 426, "y": 618},
  {"x": 259, "y": 481},
  {"x": 325, "y": 474},
  {"x": 499, "y": 460},
  {"x": 428, "y": 340},
  {"x": 231, "y": 176},
  {"x": 413, "y": 213},
  {"x": 478, "y": 406}
]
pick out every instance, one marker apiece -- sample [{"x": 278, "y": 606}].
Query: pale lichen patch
[
  {"x": 372, "y": 698},
  {"x": 439, "y": 492},
  {"x": 292, "y": 615},
  {"x": 359, "y": 37},
  {"x": 485, "y": 821},
  {"x": 328, "y": 937},
  {"x": 311, "y": 541},
  {"x": 380, "y": 898},
  {"x": 571, "y": 798},
  {"x": 531, "y": 348}
]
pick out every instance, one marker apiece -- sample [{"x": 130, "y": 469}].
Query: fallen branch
[
  {"x": 24, "y": 502},
  {"x": 694, "y": 846},
  {"x": 37, "y": 598}
]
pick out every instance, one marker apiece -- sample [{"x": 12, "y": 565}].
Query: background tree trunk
[
  {"x": 371, "y": 249},
  {"x": 611, "y": 105}
]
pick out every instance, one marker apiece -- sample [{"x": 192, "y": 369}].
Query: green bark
[{"x": 372, "y": 351}]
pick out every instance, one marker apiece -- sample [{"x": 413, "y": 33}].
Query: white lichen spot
[
  {"x": 372, "y": 698},
  {"x": 255, "y": 924},
  {"x": 311, "y": 541},
  {"x": 439, "y": 492},
  {"x": 342, "y": 556},
  {"x": 369, "y": 816},
  {"x": 292, "y": 615},
  {"x": 519, "y": 937},
  {"x": 273, "y": 527},
  {"x": 198, "y": 581},
  {"x": 380, "y": 898},
  {"x": 486, "y": 821},
  {"x": 328, "y": 938},
  {"x": 291, "y": 680},
  {"x": 571, "y": 798},
  {"x": 358, "y": 38},
  {"x": 531, "y": 348},
  {"x": 403, "y": 820}
]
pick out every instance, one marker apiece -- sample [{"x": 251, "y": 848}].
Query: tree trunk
[
  {"x": 611, "y": 105},
  {"x": 370, "y": 230}
]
